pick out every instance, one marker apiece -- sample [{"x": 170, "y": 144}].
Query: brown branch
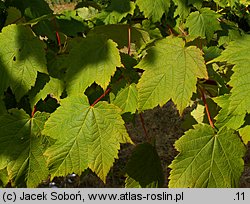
[
  {"x": 129, "y": 40},
  {"x": 144, "y": 127},
  {"x": 105, "y": 93},
  {"x": 206, "y": 107},
  {"x": 102, "y": 96}
]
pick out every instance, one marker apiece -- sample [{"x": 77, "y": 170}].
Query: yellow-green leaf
[
  {"x": 94, "y": 59},
  {"x": 86, "y": 137},
  {"x": 207, "y": 159},
  {"x": 171, "y": 72}
]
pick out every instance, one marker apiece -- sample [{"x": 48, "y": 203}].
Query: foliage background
[{"x": 163, "y": 125}]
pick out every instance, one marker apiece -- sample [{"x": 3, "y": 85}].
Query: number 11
[{"x": 240, "y": 196}]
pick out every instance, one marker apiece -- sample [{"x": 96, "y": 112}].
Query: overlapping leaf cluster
[{"x": 68, "y": 82}]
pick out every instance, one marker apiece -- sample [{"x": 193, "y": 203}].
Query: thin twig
[
  {"x": 105, "y": 93},
  {"x": 144, "y": 127},
  {"x": 129, "y": 39},
  {"x": 206, "y": 107},
  {"x": 102, "y": 96}
]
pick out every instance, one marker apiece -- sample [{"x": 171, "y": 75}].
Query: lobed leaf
[
  {"x": 94, "y": 57},
  {"x": 86, "y": 137},
  {"x": 207, "y": 159},
  {"x": 203, "y": 23},
  {"x": 171, "y": 72}
]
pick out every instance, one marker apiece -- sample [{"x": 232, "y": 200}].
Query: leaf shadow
[{"x": 20, "y": 60}]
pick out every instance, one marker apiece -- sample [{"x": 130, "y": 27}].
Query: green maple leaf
[
  {"x": 154, "y": 9},
  {"x": 171, "y": 72},
  {"x": 127, "y": 99},
  {"x": 94, "y": 57},
  {"x": 237, "y": 53},
  {"x": 86, "y": 137},
  {"x": 22, "y": 55},
  {"x": 207, "y": 159},
  {"x": 22, "y": 147},
  {"x": 203, "y": 23}
]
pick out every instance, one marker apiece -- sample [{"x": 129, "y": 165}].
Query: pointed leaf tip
[{"x": 86, "y": 137}]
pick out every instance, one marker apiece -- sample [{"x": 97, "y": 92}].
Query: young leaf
[
  {"x": 171, "y": 72},
  {"x": 86, "y": 137},
  {"x": 22, "y": 55},
  {"x": 207, "y": 159},
  {"x": 237, "y": 53},
  {"x": 144, "y": 166},
  {"x": 22, "y": 148},
  {"x": 127, "y": 99},
  {"x": 154, "y": 9},
  {"x": 203, "y": 23},
  {"x": 94, "y": 57}
]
